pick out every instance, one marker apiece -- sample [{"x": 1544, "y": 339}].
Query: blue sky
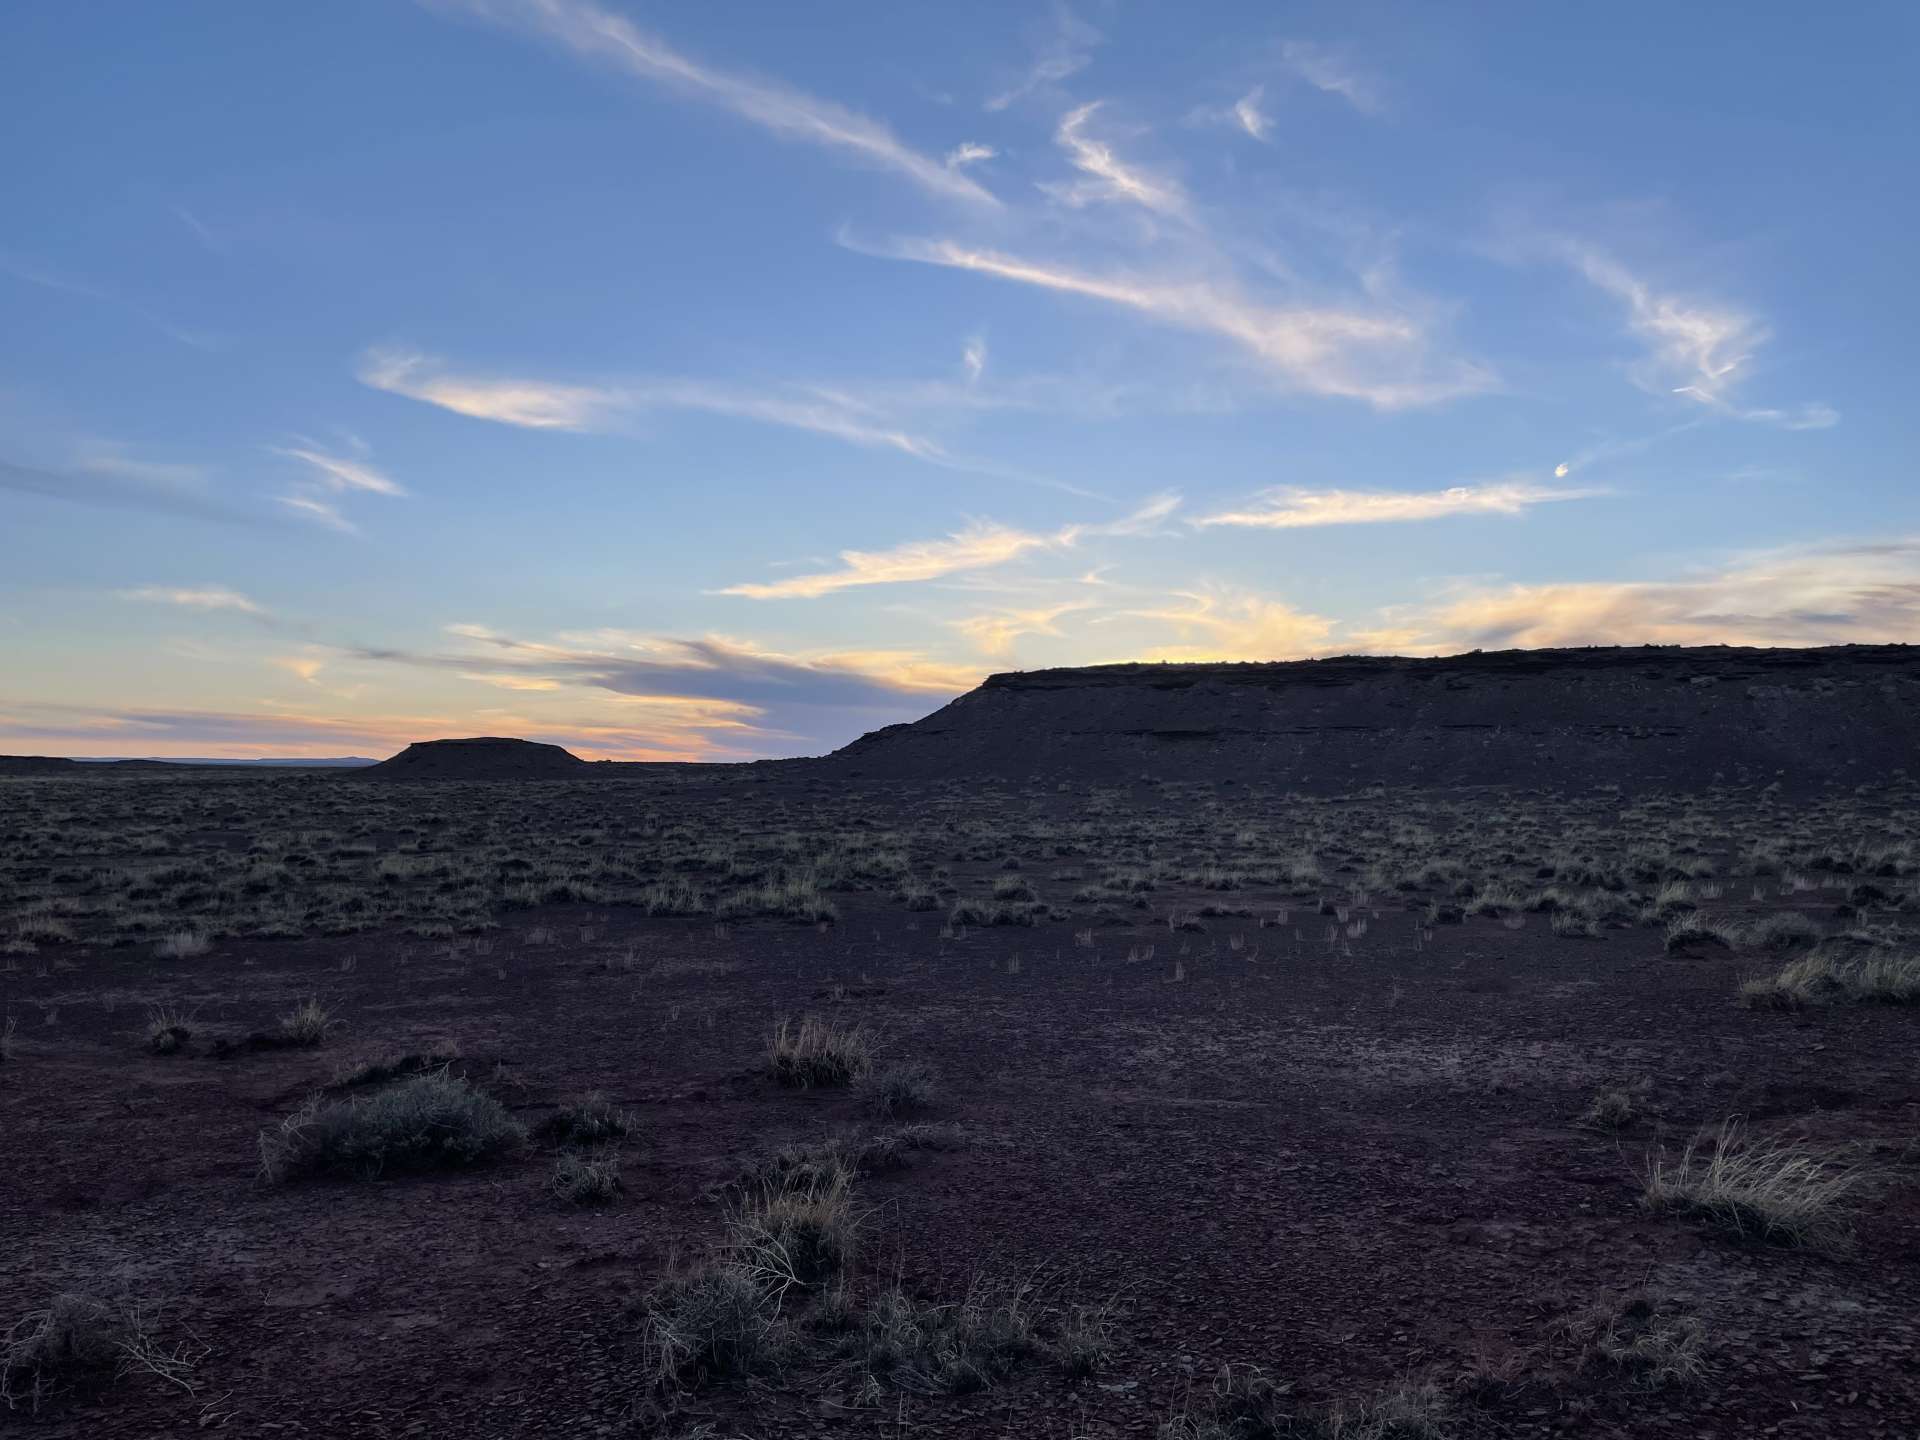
[{"x": 723, "y": 381}]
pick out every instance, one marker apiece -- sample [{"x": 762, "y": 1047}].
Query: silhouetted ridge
[
  {"x": 484, "y": 757},
  {"x": 1652, "y": 715}
]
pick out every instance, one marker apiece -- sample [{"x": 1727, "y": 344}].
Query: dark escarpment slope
[
  {"x": 1654, "y": 715},
  {"x": 484, "y": 757}
]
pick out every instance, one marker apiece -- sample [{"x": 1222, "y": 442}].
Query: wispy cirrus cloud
[
  {"x": 531, "y": 404},
  {"x": 339, "y": 472},
  {"x": 980, "y": 546},
  {"x": 553, "y": 405},
  {"x": 319, "y": 512},
  {"x": 1697, "y": 349},
  {"x": 1108, "y": 177},
  {"x": 1251, "y": 118},
  {"x": 49, "y": 279},
  {"x": 1290, "y": 508},
  {"x": 1226, "y": 624},
  {"x": 110, "y": 479},
  {"x": 1802, "y": 595},
  {"x": 1332, "y": 74},
  {"x": 973, "y": 358},
  {"x": 1063, "y": 48},
  {"x": 993, "y": 632},
  {"x": 602, "y": 34},
  {"x": 721, "y": 667},
  {"x": 977, "y": 547},
  {"x": 1380, "y": 356},
  {"x": 195, "y": 597},
  {"x": 328, "y": 474}
]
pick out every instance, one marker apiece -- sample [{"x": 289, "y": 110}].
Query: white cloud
[
  {"x": 1236, "y": 625},
  {"x": 993, "y": 633},
  {"x": 1805, "y": 595},
  {"x": 1694, "y": 348},
  {"x": 1110, "y": 178},
  {"x": 975, "y": 548},
  {"x": 1255, "y": 121},
  {"x": 969, "y": 154},
  {"x": 973, "y": 358},
  {"x": 547, "y": 405},
  {"x": 339, "y": 473},
  {"x": 1063, "y": 52},
  {"x": 980, "y": 546},
  {"x": 107, "y": 457},
  {"x": 790, "y": 114},
  {"x": 1288, "y": 508},
  {"x": 1379, "y": 357},
  {"x": 1327, "y": 72},
  {"x": 196, "y": 597},
  {"x": 1144, "y": 519},
  {"x": 320, "y": 512},
  {"x": 534, "y": 404}
]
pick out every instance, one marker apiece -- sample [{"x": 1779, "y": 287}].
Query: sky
[{"x": 717, "y": 382}]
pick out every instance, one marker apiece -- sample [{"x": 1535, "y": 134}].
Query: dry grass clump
[
  {"x": 795, "y": 1235},
  {"x": 591, "y": 1120},
  {"x": 1884, "y": 980},
  {"x": 182, "y": 945},
  {"x": 1784, "y": 931},
  {"x": 981, "y": 913},
  {"x": 1567, "y": 924},
  {"x": 1758, "y": 1189},
  {"x": 1695, "y": 929},
  {"x": 791, "y": 1231},
  {"x": 797, "y": 898},
  {"x": 916, "y": 896},
  {"x": 1247, "y": 1404},
  {"x": 168, "y": 1028},
  {"x": 378, "y": 1072},
  {"x": 710, "y": 1321},
  {"x": 1638, "y": 1342},
  {"x": 1614, "y": 1108},
  {"x": 895, "y": 1090},
  {"x": 426, "y": 1121},
  {"x": 818, "y": 1052},
  {"x": 585, "y": 1179},
  {"x": 76, "y": 1339},
  {"x": 1881, "y": 978},
  {"x": 1084, "y": 1340},
  {"x": 306, "y": 1024},
  {"x": 33, "y": 926},
  {"x": 952, "y": 1349}
]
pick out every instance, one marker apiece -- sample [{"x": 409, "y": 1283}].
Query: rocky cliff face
[{"x": 1650, "y": 716}]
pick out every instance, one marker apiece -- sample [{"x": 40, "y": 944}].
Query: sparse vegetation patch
[{"x": 428, "y": 1121}]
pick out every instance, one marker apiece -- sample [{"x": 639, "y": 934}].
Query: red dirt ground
[{"x": 1345, "y": 1167}]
